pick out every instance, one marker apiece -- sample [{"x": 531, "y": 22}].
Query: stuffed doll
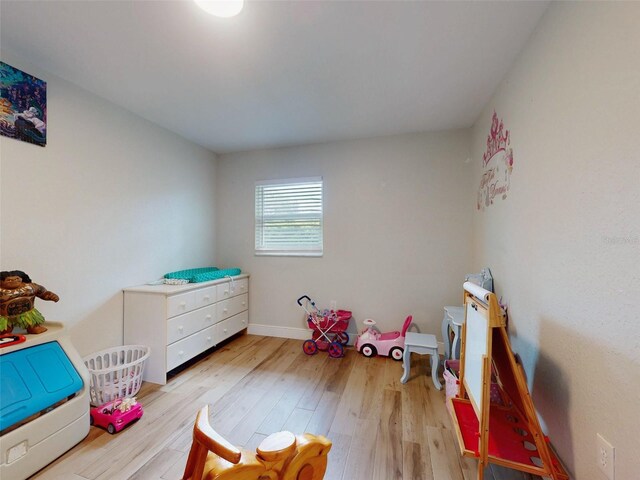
[{"x": 17, "y": 295}]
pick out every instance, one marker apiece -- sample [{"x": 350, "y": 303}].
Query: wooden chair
[{"x": 280, "y": 456}]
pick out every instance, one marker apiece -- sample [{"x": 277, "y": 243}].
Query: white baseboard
[
  {"x": 277, "y": 331},
  {"x": 298, "y": 333}
]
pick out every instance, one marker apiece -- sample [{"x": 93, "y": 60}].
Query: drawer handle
[
  {"x": 208, "y": 339},
  {"x": 244, "y": 304},
  {"x": 207, "y": 298},
  {"x": 180, "y": 353},
  {"x": 242, "y": 287},
  {"x": 244, "y": 321},
  {"x": 225, "y": 330},
  {"x": 208, "y": 317},
  {"x": 180, "y": 328},
  {"x": 224, "y": 310},
  {"x": 183, "y": 304}
]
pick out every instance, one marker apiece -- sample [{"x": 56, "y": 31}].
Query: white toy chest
[{"x": 44, "y": 402}]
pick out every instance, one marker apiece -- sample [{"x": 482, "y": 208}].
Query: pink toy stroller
[{"x": 328, "y": 328}]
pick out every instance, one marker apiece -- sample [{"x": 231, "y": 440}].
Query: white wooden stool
[
  {"x": 423, "y": 344},
  {"x": 453, "y": 319}
]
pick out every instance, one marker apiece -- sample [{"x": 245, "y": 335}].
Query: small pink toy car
[
  {"x": 116, "y": 415},
  {"x": 371, "y": 342}
]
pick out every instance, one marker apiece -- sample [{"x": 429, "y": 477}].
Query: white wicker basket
[{"x": 116, "y": 372}]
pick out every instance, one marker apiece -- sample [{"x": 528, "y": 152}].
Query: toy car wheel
[
  {"x": 336, "y": 350},
  {"x": 111, "y": 429},
  {"x": 396, "y": 353},
  {"x": 309, "y": 347},
  {"x": 91, "y": 420},
  {"x": 369, "y": 350},
  {"x": 342, "y": 337}
]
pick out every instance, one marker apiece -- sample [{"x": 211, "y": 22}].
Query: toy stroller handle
[{"x": 302, "y": 298}]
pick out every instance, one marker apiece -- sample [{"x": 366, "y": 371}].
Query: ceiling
[{"x": 281, "y": 72}]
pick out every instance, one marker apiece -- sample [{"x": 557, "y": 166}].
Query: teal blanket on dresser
[{"x": 197, "y": 275}]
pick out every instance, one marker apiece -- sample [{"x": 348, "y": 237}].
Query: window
[{"x": 289, "y": 217}]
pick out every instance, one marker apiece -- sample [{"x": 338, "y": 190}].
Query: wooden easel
[{"x": 505, "y": 431}]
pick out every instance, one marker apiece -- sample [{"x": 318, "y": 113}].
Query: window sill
[{"x": 288, "y": 254}]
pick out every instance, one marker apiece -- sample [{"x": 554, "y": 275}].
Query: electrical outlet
[{"x": 606, "y": 457}]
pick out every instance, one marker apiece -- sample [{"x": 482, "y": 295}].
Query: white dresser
[{"x": 179, "y": 322}]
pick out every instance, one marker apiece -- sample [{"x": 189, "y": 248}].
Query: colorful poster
[
  {"x": 23, "y": 106},
  {"x": 497, "y": 164}
]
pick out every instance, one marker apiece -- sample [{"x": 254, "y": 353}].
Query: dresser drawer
[
  {"x": 179, "y": 304},
  {"x": 232, "y": 325},
  {"x": 187, "y": 348},
  {"x": 184, "y": 325},
  {"x": 227, "y": 291},
  {"x": 232, "y": 306},
  {"x": 206, "y": 296},
  {"x": 179, "y": 322}
]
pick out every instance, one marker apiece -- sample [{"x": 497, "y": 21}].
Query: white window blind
[{"x": 289, "y": 217}]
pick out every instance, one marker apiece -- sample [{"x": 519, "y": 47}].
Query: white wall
[
  {"x": 397, "y": 224},
  {"x": 564, "y": 246},
  {"x": 111, "y": 201}
]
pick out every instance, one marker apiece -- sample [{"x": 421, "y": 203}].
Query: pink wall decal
[{"x": 497, "y": 164}]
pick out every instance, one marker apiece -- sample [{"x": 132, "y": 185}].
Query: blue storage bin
[{"x": 33, "y": 379}]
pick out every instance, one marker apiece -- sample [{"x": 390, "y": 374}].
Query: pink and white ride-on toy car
[
  {"x": 371, "y": 342},
  {"x": 116, "y": 415}
]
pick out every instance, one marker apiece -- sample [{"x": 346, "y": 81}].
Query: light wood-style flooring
[{"x": 380, "y": 429}]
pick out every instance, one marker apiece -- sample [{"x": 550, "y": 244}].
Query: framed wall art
[{"x": 23, "y": 106}]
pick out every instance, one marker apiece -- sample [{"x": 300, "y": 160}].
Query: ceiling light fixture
[{"x": 221, "y": 8}]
